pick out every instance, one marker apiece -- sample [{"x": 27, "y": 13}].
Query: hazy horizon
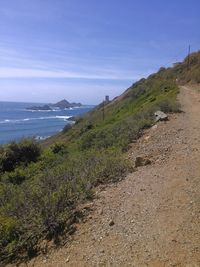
[
  {"x": 28, "y": 102},
  {"x": 84, "y": 50}
]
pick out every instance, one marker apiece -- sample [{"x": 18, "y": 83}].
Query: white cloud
[
  {"x": 18, "y": 64},
  {"x": 108, "y": 74}
]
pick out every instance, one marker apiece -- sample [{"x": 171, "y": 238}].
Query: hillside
[
  {"x": 151, "y": 218},
  {"x": 40, "y": 192},
  {"x": 159, "y": 90}
]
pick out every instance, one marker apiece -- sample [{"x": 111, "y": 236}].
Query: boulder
[{"x": 160, "y": 116}]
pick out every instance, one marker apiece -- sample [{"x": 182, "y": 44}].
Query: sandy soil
[{"x": 152, "y": 217}]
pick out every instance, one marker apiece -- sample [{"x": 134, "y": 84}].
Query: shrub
[
  {"x": 8, "y": 234},
  {"x": 13, "y": 154},
  {"x": 169, "y": 106},
  {"x": 58, "y": 148},
  {"x": 16, "y": 177},
  {"x": 44, "y": 206}
]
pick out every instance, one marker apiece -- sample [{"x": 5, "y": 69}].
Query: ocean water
[{"x": 16, "y": 122}]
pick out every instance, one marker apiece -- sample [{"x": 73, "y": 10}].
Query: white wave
[
  {"x": 63, "y": 117},
  {"x": 68, "y": 108},
  {"x": 40, "y": 110},
  {"x": 54, "y": 117},
  {"x": 39, "y": 118},
  {"x": 41, "y": 137}
]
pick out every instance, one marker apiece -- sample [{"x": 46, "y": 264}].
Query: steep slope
[
  {"x": 159, "y": 90},
  {"x": 109, "y": 121}
]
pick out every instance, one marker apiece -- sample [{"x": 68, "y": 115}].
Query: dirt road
[{"x": 151, "y": 218}]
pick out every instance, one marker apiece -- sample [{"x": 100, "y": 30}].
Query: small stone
[
  {"x": 155, "y": 126},
  {"x": 147, "y": 138},
  {"x": 67, "y": 260},
  {"x": 140, "y": 161},
  {"x": 88, "y": 206},
  {"x": 100, "y": 211},
  {"x": 111, "y": 223}
]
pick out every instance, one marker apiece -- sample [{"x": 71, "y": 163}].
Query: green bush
[
  {"x": 8, "y": 235},
  {"x": 58, "y": 148},
  {"x": 14, "y": 154},
  {"x": 44, "y": 206},
  {"x": 16, "y": 177},
  {"x": 168, "y": 106}
]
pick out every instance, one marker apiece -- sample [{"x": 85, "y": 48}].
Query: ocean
[{"x": 17, "y": 122}]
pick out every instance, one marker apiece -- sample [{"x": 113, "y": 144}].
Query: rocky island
[
  {"x": 63, "y": 104},
  {"x": 40, "y": 108}
]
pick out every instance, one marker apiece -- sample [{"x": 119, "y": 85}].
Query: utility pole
[
  {"x": 103, "y": 110},
  {"x": 188, "y": 61}
]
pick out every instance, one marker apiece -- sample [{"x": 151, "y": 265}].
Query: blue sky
[{"x": 82, "y": 50}]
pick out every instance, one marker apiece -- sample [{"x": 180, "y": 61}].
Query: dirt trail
[{"x": 154, "y": 211}]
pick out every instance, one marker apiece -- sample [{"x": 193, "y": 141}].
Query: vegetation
[
  {"x": 43, "y": 205},
  {"x": 40, "y": 189},
  {"x": 189, "y": 70},
  {"x": 15, "y": 154}
]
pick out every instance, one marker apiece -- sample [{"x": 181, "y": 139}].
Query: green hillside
[
  {"x": 41, "y": 186},
  {"x": 104, "y": 126}
]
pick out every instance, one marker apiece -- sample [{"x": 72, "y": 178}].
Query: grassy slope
[
  {"x": 38, "y": 199},
  {"x": 141, "y": 99},
  {"x": 158, "y": 90}
]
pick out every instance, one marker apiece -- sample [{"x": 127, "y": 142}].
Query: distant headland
[{"x": 63, "y": 104}]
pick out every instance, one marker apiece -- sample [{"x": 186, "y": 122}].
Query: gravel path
[{"x": 151, "y": 218}]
